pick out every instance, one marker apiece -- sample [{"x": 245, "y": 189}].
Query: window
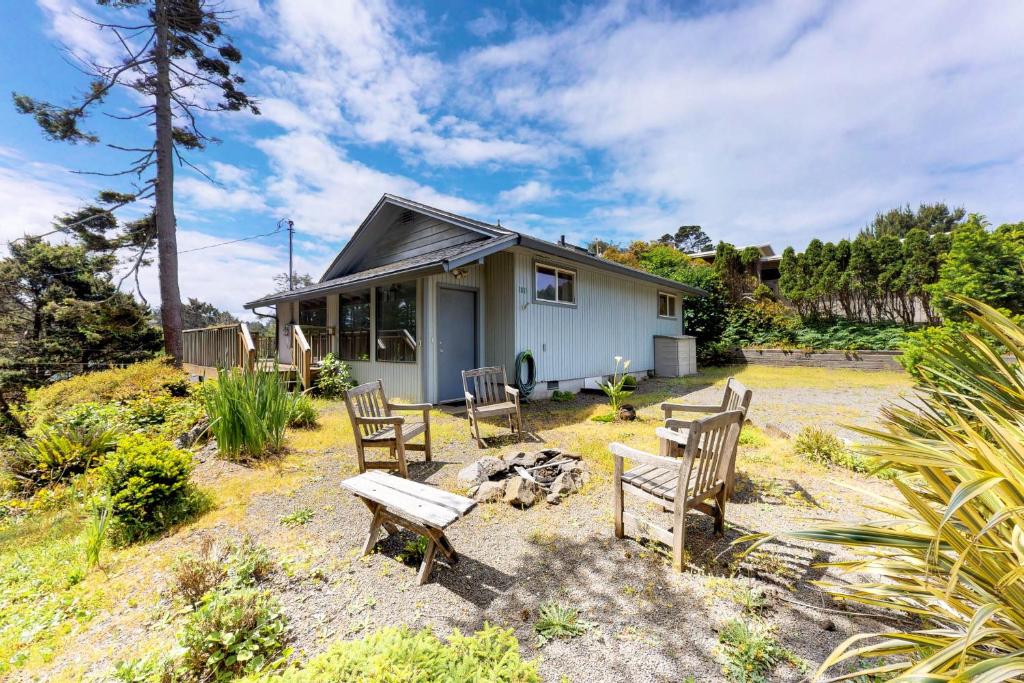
[
  {"x": 396, "y": 323},
  {"x": 555, "y": 285},
  {"x": 666, "y": 305},
  {"x": 313, "y": 312},
  {"x": 354, "y": 321}
]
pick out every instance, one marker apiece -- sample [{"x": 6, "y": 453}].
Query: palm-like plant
[
  {"x": 949, "y": 550},
  {"x": 615, "y": 388}
]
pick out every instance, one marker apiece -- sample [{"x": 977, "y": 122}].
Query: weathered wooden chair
[
  {"x": 374, "y": 426},
  {"x": 679, "y": 484},
  {"x": 673, "y": 435},
  {"x": 489, "y": 395}
]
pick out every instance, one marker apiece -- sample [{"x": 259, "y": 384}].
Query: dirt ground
[{"x": 649, "y": 623}]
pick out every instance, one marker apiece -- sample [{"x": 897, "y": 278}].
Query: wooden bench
[
  {"x": 488, "y": 395},
  {"x": 423, "y": 509},
  {"x": 374, "y": 426}
]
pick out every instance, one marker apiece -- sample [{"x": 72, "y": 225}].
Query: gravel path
[{"x": 650, "y": 624}]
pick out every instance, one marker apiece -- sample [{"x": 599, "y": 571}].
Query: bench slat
[
  {"x": 456, "y": 503},
  {"x": 414, "y": 508}
]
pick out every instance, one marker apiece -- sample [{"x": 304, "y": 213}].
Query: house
[
  {"x": 767, "y": 271},
  {"x": 419, "y": 294}
]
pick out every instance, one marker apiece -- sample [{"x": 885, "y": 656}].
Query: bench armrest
[
  {"x": 621, "y": 452},
  {"x": 409, "y": 406},
  {"x": 669, "y": 408},
  {"x": 511, "y": 390},
  {"x": 671, "y": 435},
  {"x": 469, "y": 398},
  {"x": 671, "y": 423}
]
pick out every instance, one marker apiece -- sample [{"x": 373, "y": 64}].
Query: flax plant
[
  {"x": 248, "y": 413},
  {"x": 947, "y": 552}
]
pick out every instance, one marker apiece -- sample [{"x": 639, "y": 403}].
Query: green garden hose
[{"x": 526, "y": 388}]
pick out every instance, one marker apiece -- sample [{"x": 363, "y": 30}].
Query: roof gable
[{"x": 398, "y": 229}]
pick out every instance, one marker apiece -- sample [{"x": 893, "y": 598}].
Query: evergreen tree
[{"x": 171, "y": 51}]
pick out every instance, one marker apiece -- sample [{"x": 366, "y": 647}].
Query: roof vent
[{"x": 406, "y": 217}]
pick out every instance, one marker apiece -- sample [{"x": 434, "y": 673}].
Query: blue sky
[{"x": 769, "y": 121}]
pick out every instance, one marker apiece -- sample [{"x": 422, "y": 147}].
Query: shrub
[
  {"x": 248, "y": 413},
  {"x": 227, "y": 567},
  {"x": 148, "y": 481},
  {"x": 750, "y": 652},
  {"x": 149, "y": 379},
  {"x": 304, "y": 413},
  {"x": 948, "y": 550},
  {"x": 558, "y": 621},
  {"x": 820, "y": 446},
  {"x": 54, "y": 454},
  {"x": 398, "y": 654},
  {"x": 231, "y": 635},
  {"x": 562, "y": 396},
  {"x": 335, "y": 377}
]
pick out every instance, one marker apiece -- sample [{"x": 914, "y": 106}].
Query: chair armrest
[
  {"x": 672, "y": 423},
  {"x": 469, "y": 398},
  {"x": 671, "y": 435},
  {"x": 393, "y": 420},
  {"x": 511, "y": 390},
  {"x": 669, "y": 408},
  {"x": 622, "y": 452},
  {"x": 409, "y": 406}
]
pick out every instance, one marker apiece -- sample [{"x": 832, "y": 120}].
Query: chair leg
[
  {"x": 360, "y": 456},
  {"x": 476, "y": 430},
  {"x": 720, "y": 499},
  {"x": 678, "y": 536},
  {"x": 617, "y": 502},
  {"x": 428, "y": 563},
  {"x": 371, "y": 537},
  {"x": 426, "y": 439},
  {"x": 403, "y": 469}
]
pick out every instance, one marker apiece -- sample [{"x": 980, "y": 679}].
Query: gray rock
[
  {"x": 480, "y": 471},
  {"x": 189, "y": 438},
  {"x": 554, "y": 499},
  {"x": 490, "y": 491},
  {"x": 520, "y": 492},
  {"x": 627, "y": 412},
  {"x": 522, "y": 460},
  {"x": 566, "y": 482}
]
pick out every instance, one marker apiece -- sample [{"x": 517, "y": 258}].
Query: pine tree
[{"x": 172, "y": 51}]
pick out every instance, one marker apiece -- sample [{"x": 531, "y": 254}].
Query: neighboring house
[
  {"x": 419, "y": 294},
  {"x": 767, "y": 266}
]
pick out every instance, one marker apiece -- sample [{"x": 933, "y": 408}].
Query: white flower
[
  {"x": 618, "y": 359},
  {"x": 625, "y": 365}
]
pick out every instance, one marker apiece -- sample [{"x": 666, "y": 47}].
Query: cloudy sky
[{"x": 761, "y": 121}]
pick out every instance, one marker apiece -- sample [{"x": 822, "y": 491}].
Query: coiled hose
[{"x": 526, "y": 388}]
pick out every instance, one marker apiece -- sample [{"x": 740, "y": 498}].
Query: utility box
[{"x": 675, "y": 356}]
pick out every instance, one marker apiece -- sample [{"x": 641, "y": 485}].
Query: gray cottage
[{"x": 419, "y": 294}]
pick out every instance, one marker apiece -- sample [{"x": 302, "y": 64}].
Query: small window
[
  {"x": 666, "y": 305},
  {"x": 555, "y": 284},
  {"x": 354, "y": 322},
  {"x": 396, "y": 323}
]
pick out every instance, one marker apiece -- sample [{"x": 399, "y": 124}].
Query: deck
[{"x": 207, "y": 350}]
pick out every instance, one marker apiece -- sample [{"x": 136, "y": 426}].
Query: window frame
[
  {"x": 558, "y": 269},
  {"x": 376, "y": 323},
  {"x": 675, "y": 305},
  {"x": 369, "y": 324}
]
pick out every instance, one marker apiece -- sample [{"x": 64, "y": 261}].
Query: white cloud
[
  {"x": 490, "y": 21},
  {"x": 234, "y": 190},
  {"x": 530, "y": 192},
  {"x": 84, "y": 39},
  {"x": 33, "y": 194}
]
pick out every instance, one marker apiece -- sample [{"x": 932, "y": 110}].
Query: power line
[{"x": 241, "y": 239}]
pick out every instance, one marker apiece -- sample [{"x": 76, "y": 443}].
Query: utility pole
[{"x": 291, "y": 236}]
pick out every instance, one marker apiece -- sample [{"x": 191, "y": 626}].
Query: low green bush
[
  {"x": 394, "y": 654},
  {"x": 750, "y": 652},
  {"x": 562, "y": 396},
  {"x": 220, "y": 566},
  {"x": 248, "y": 413},
  {"x": 54, "y": 454},
  {"x": 825, "y": 448},
  {"x": 304, "y": 413},
  {"x": 148, "y": 482},
  {"x": 230, "y": 635},
  {"x": 559, "y": 621},
  {"x": 335, "y": 377}
]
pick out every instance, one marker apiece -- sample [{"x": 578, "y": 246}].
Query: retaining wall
[{"x": 860, "y": 360}]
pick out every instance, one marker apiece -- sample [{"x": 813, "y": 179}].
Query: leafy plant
[
  {"x": 248, "y": 413},
  {"x": 55, "y": 453},
  {"x": 413, "y": 551},
  {"x": 96, "y": 531},
  {"x": 398, "y": 654},
  {"x": 615, "y": 388},
  {"x": 557, "y": 621},
  {"x": 304, "y": 413},
  {"x": 750, "y": 652},
  {"x": 298, "y": 518},
  {"x": 819, "y": 445},
  {"x": 335, "y": 377},
  {"x": 947, "y": 549},
  {"x": 231, "y": 635},
  {"x": 216, "y": 566},
  {"x": 149, "y": 487},
  {"x": 562, "y": 396}
]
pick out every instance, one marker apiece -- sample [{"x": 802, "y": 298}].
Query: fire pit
[{"x": 523, "y": 479}]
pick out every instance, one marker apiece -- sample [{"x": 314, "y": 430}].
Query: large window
[
  {"x": 555, "y": 285},
  {"x": 354, "y": 324},
  {"x": 666, "y": 305},
  {"x": 396, "y": 323},
  {"x": 313, "y": 312}
]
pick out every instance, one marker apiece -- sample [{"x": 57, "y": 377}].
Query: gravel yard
[{"x": 649, "y": 624}]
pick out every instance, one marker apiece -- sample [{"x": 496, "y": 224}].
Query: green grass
[{"x": 248, "y": 413}]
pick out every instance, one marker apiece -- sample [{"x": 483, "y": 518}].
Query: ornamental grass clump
[
  {"x": 249, "y": 412},
  {"x": 947, "y": 550}
]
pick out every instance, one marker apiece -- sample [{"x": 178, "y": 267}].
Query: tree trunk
[{"x": 167, "y": 241}]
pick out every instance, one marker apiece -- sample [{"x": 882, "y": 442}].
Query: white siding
[{"x": 613, "y": 316}]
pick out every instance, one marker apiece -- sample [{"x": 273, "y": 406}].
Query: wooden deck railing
[
  {"x": 302, "y": 356},
  {"x": 222, "y": 346}
]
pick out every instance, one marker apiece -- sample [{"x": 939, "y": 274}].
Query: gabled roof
[{"x": 494, "y": 238}]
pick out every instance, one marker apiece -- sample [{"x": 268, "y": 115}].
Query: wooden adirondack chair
[
  {"x": 679, "y": 484},
  {"x": 673, "y": 435},
  {"x": 489, "y": 395},
  {"x": 374, "y": 426}
]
